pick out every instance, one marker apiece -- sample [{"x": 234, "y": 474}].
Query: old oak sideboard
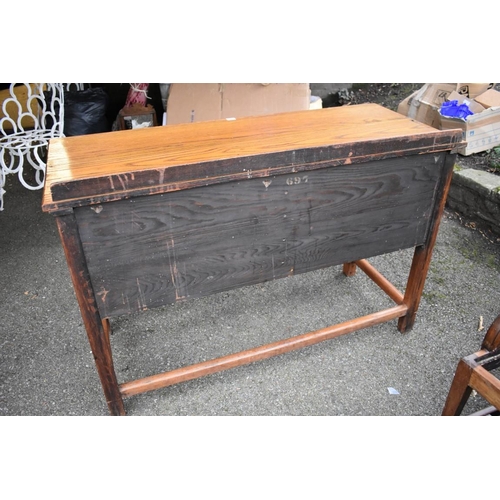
[{"x": 153, "y": 216}]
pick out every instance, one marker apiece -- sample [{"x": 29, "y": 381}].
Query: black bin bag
[{"x": 85, "y": 112}]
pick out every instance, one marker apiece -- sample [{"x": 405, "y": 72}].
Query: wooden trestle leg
[
  {"x": 107, "y": 326},
  {"x": 421, "y": 257},
  {"x": 423, "y": 253},
  {"x": 349, "y": 268},
  {"x": 97, "y": 329}
]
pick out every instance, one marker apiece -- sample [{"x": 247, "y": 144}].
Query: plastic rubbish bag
[{"x": 85, "y": 112}]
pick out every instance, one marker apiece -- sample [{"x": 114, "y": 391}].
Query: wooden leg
[
  {"x": 491, "y": 340},
  {"x": 97, "y": 330},
  {"x": 106, "y": 326},
  {"x": 459, "y": 390},
  {"x": 423, "y": 253},
  {"x": 415, "y": 286},
  {"x": 486, "y": 384},
  {"x": 349, "y": 268}
]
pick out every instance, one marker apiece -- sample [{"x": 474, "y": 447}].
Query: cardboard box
[
  {"x": 472, "y": 90},
  {"x": 489, "y": 99},
  {"x": 473, "y": 105},
  {"x": 404, "y": 106},
  {"x": 195, "y": 102},
  {"x": 481, "y": 130},
  {"x": 423, "y": 105}
]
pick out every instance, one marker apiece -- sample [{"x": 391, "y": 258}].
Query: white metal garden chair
[{"x": 31, "y": 116}]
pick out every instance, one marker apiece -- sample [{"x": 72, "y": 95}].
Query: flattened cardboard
[
  {"x": 193, "y": 102},
  {"x": 197, "y": 102}
]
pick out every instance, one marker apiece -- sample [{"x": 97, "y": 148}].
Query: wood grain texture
[
  {"x": 100, "y": 167},
  {"x": 473, "y": 372},
  {"x": 487, "y": 385},
  {"x": 491, "y": 340},
  {"x": 460, "y": 391},
  {"x": 153, "y": 216},
  {"x": 151, "y": 251},
  {"x": 97, "y": 331},
  {"x": 423, "y": 253}
]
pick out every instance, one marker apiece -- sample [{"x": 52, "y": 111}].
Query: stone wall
[{"x": 476, "y": 194}]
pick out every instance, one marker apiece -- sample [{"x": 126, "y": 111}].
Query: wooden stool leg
[
  {"x": 459, "y": 390},
  {"x": 97, "y": 330},
  {"x": 349, "y": 268}
]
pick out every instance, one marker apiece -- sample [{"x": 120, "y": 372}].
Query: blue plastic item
[{"x": 454, "y": 110}]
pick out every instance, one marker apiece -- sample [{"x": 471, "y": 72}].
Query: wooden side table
[{"x": 153, "y": 216}]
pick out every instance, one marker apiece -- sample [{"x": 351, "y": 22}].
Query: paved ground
[{"x": 46, "y": 367}]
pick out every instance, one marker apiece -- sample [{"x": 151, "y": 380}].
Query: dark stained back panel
[{"x": 153, "y": 250}]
